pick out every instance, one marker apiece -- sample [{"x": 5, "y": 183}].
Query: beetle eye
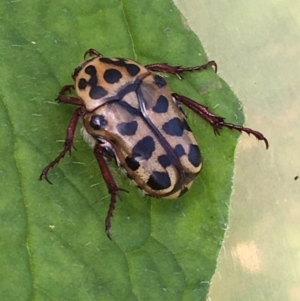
[{"x": 97, "y": 122}]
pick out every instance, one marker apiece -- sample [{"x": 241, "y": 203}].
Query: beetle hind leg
[
  {"x": 217, "y": 122},
  {"x": 113, "y": 189},
  {"x": 178, "y": 70}
]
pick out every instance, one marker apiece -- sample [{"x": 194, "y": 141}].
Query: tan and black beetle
[{"x": 130, "y": 115}]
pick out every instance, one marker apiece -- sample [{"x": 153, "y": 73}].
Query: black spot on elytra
[
  {"x": 159, "y": 81},
  {"x": 161, "y": 105},
  {"x": 91, "y": 70},
  {"x": 97, "y": 92},
  {"x": 174, "y": 127},
  {"x": 194, "y": 155},
  {"x": 118, "y": 62},
  {"x": 159, "y": 180},
  {"x": 82, "y": 84},
  {"x": 127, "y": 128},
  {"x": 105, "y": 60},
  {"x": 132, "y": 164},
  {"x": 112, "y": 76},
  {"x": 144, "y": 148},
  {"x": 97, "y": 122},
  {"x": 164, "y": 160},
  {"x": 179, "y": 150},
  {"x": 132, "y": 69},
  {"x": 121, "y": 62},
  {"x": 93, "y": 81}
]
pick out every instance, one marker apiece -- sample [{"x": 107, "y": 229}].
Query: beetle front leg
[
  {"x": 217, "y": 122},
  {"x": 178, "y": 70},
  {"x": 68, "y": 143},
  {"x": 113, "y": 189},
  {"x": 92, "y": 52},
  {"x": 67, "y": 98}
]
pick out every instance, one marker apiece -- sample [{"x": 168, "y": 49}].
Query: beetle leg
[
  {"x": 178, "y": 70},
  {"x": 113, "y": 189},
  {"x": 67, "y": 88},
  {"x": 68, "y": 99},
  {"x": 91, "y": 52},
  {"x": 217, "y": 122},
  {"x": 68, "y": 143}
]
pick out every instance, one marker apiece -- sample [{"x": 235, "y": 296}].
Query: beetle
[{"x": 130, "y": 115}]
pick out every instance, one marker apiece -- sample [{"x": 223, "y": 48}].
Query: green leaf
[{"x": 53, "y": 245}]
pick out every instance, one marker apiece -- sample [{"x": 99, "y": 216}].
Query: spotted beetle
[{"x": 131, "y": 116}]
